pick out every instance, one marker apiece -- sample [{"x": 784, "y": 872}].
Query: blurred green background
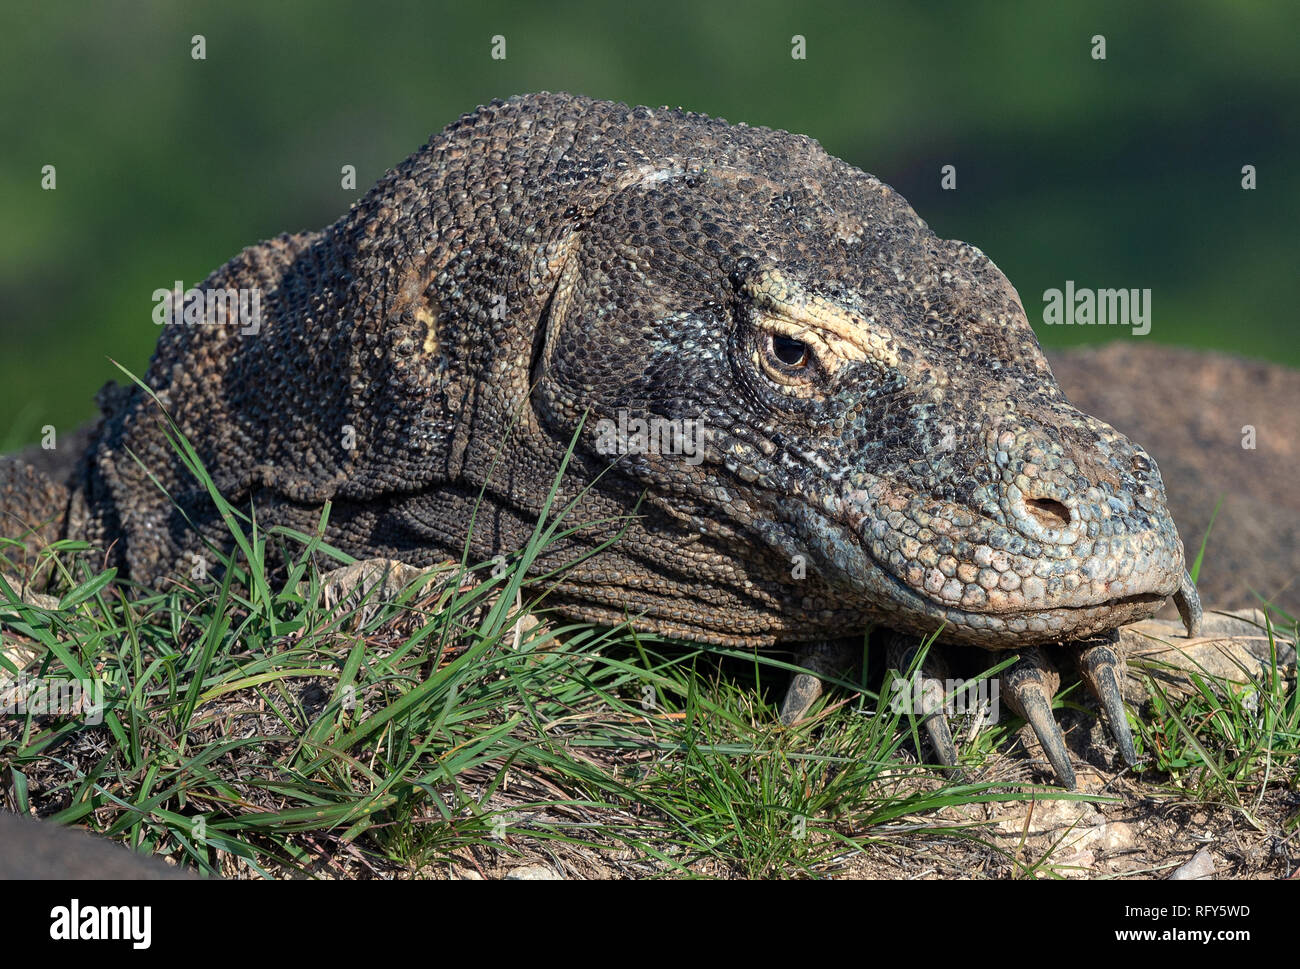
[{"x": 1117, "y": 173}]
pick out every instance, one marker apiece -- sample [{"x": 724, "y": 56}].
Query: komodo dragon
[{"x": 862, "y": 427}]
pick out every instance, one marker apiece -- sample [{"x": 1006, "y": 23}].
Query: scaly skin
[{"x": 883, "y": 438}]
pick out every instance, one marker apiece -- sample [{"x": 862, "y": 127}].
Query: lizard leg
[
  {"x": 1029, "y": 685},
  {"x": 824, "y": 658},
  {"x": 1101, "y": 666},
  {"x": 929, "y": 692}
]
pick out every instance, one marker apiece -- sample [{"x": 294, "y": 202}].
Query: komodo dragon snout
[{"x": 796, "y": 411}]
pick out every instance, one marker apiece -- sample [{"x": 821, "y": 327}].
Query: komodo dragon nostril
[{"x": 1050, "y": 514}]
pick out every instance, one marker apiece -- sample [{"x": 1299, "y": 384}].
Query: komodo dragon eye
[
  {"x": 791, "y": 354},
  {"x": 785, "y": 360}
]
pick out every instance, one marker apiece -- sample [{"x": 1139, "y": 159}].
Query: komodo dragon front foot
[{"x": 1029, "y": 685}]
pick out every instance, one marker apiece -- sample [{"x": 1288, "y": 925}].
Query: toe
[
  {"x": 1029, "y": 686},
  {"x": 1101, "y": 668}
]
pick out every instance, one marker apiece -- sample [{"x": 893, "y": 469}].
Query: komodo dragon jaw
[{"x": 880, "y": 437}]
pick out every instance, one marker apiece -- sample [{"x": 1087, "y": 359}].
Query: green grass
[
  {"x": 1227, "y": 742},
  {"x": 423, "y": 730},
  {"x": 1224, "y": 741}
]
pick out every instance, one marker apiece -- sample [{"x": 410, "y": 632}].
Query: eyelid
[
  {"x": 769, "y": 325},
  {"x": 837, "y": 334}
]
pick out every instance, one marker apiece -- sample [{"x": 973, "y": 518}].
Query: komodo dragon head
[{"x": 849, "y": 418}]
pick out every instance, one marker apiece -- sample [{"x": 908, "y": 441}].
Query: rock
[
  {"x": 1161, "y": 649},
  {"x": 31, "y": 849},
  {"x": 1074, "y": 837},
  {"x": 372, "y": 580},
  {"x": 1069, "y": 830},
  {"x": 1117, "y": 836},
  {"x": 533, "y": 873},
  {"x": 1200, "y": 868}
]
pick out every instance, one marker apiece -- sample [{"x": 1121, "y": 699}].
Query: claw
[
  {"x": 830, "y": 659},
  {"x": 1102, "y": 668},
  {"x": 1188, "y": 602},
  {"x": 800, "y": 695},
  {"x": 1029, "y": 686},
  {"x": 930, "y": 696},
  {"x": 936, "y": 724}
]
